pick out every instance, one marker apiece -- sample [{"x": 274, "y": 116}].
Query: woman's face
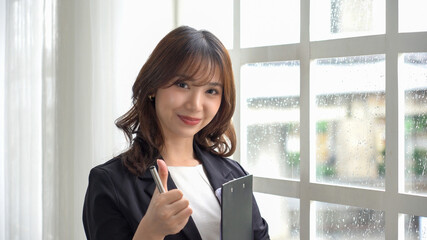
[{"x": 186, "y": 105}]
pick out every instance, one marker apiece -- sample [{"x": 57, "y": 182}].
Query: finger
[
  {"x": 180, "y": 220},
  {"x": 167, "y": 198},
  {"x": 156, "y": 192},
  {"x": 184, "y": 214},
  {"x": 163, "y": 173},
  {"x": 178, "y": 206},
  {"x": 173, "y": 196}
]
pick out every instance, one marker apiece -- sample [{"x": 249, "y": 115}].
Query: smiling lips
[{"x": 189, "y": 120}]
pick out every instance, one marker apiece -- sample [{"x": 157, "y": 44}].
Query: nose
[{"x": 195, "y": 101}]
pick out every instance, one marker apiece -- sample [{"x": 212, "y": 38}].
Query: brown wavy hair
[{"x": 183, "y": 49}]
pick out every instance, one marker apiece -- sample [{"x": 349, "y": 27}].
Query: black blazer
[{"x": 116, "y": 200}]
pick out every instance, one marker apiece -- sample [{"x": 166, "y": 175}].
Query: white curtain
[
  {"x": 23, "y": 64},
  {"x": 66, "y": 71}
]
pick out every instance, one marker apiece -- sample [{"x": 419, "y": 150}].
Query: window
[
  {"x": 260, "y": 21},
  {"x": 411, "y": 16},
  {"x": 331, "y": 115},
  {"x": 346, "y": 18},
  {"x": 413, "y": 76},
  {"x": 349, "y": 113},
  {"x": 271, "y": 110},
  {"x": 415, "y": 226},
  {"x": 283, "y": 218},
  {"x": 334, "y": 221}
]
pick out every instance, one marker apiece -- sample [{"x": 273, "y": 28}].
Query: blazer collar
[{"x": 217, "y": 171}]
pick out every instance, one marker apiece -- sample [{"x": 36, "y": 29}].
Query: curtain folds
[
  {"x": 22, "y": 120},
  {"x": 66, "y": 71},
  {"x": 50, "y": 174}
]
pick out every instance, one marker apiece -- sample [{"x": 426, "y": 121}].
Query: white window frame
[{"x": 392, "y": 200}]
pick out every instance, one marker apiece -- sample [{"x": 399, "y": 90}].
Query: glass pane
[
  {"x": 282, "y": 215},
  {"x": 415, "y": 227},
  {"x": 335, "y": 221},
  {"x": 332, "y": 19},
  {"x": 269, "y": 22},
  {"x": 413, "y": 78},
  {"x": 350, "y": 120},
  {"x": 270, "y": 118},
  {"x": 412, "y": 15},
  {"x": 202, "y": 14}
]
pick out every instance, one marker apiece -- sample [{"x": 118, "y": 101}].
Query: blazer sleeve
[{"x": 101, "y": 216}]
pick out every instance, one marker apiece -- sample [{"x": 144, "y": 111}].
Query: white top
[{"x": 194, "y": 184}]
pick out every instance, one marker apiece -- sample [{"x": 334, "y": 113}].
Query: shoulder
[
  {"x": 113, "y": 167},
  {"x": 105, "y": 210},
  {"x": 112, "y": 185},
  {"x": 219, "y": 159},
  {"x": 224, "y": 163},
  {"x": 112, "y": 172},
  {"x": 234, "y": 165}
]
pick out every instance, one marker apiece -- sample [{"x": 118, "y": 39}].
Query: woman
[{"x": 183, "y": 101}]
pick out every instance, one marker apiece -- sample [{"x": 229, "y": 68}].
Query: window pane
[
  {"x": 346, "y": 18},
  {"x": 350, "y": 120},
  {"x": 335, "y": 221},
  {"x": 413, "y": 78},
  {"x": 269, "y": 22},
  {"x": 202, "y": 14},
  {"x": 270, "y": 118},
  {"x": 415, "y": 227},
  {"x": 281, "y": 214},
  {"x": 412, "y": 15}
]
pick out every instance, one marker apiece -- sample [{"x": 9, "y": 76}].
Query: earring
[{"x": 151, "y": 97}]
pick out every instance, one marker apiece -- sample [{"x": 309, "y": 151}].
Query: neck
[{"x": 179, "y": 153}]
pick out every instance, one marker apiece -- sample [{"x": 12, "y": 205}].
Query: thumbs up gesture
[
  {"x": 167, "y": 213},
  {"x": 163, "y": 173}
]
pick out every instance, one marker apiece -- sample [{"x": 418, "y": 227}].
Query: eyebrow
[{"x": 213, "y": 84}]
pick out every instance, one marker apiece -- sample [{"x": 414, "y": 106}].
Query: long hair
[{"x": 183, "y": 49}]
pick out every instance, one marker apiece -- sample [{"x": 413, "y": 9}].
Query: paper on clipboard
[{"x": 236, "y": 209}]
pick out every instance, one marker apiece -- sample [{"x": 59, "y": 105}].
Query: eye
[
  {"x": 212, "y": 91},
  {"x": 181, "y": 84}
]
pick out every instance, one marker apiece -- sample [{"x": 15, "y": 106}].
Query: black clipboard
[{"x": 236, "y": 209}]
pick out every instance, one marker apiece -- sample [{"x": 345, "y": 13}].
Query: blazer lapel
[
  {"x": 217, "y": 172},
  {"x": 150, "y": 184},
  {"x": 190, "y": 230}
]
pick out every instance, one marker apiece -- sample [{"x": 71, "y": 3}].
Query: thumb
[{"x": 163, "y": 173}]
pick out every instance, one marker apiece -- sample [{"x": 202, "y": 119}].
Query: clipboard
[{"x": 236, "y": 209}]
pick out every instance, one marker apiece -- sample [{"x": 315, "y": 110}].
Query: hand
[{"x": 167, "y": 213}]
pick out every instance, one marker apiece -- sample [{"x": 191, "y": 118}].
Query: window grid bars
[{"x": 391, "y": 201}]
